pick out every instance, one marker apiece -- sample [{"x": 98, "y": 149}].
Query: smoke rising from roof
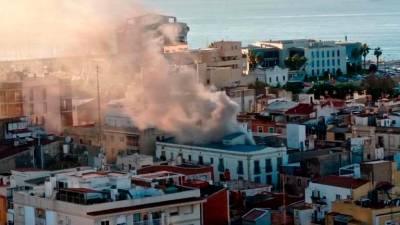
[{"x": 157, "y": 94}]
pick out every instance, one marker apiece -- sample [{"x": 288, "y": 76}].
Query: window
[
  {"x": 31, "y": 94},
  {"x": 284, "y": 78},
  {"x": 312, "y": 55},
  {"x": 187, "y": 209},
  {"x": 327, "y": 53},
  {"x": 338, "y": 197},
  {"x": 333, "y": 62},
  {"x": 323, "y": 63},
  {"x": 257, "y": 179},
  {"x": 333, "y": 53},
  {"x": 270, "y": 80},
  {"x": 268, "y": 166},
  {"x": 268, "y": 179},
  {"x": 211, "y": 161},
  {"x": 240, "y": 168},
  {"x": 278, "y": 163},
  {"x": 105, "y": 222},
  {"x": 328, "y": 62},
  {"x": 44, "y": 94},
  {"x": 317, "y": 54},
  {"x": 276, "y": 78},
  {"x": 257, "y": 167},
  {"x": 323, "y": 54},
  {"x": 172, "y": 156},
  {"x": 31, "y": 109},
  {"x": 221, "y": 167},
  {"x": 338, "y": 53},
  {"x": 318, "y": 63},
  {"x": 271, "y": 130},
  {"x": 173, "y": 211},
  {"x": 190, "y": 158},
  {"x": 338, "y": 62},
  {"x": 312, "y": 63},
  {"x": 298, "y": 182},
  {"x": 260, "y": 129},
  {"x": 200, "y": 160}
]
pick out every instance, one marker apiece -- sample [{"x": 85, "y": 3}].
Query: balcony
[
  {"x": 318, "y": 200},
  {"x": 149, "y": 222}
]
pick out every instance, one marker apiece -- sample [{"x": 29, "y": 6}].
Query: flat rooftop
[{"x": 221, "y": 146}]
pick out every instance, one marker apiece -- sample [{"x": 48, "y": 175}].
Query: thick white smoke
[{"x": 156, "y": 93}]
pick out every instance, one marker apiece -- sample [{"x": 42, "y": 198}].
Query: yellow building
[{"x": 348, "y": 212}]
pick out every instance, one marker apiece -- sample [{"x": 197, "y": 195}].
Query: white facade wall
[
  {"x": 296, "y": 136},
  {"x": 276, "y": 76},
  {"x": 230, "y": 159},
  {"x": 327, "y": 58},
  {"x": 328, "y": 194}
]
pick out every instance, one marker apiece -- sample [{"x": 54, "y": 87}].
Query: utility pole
[{"x": 98, "y": 106}]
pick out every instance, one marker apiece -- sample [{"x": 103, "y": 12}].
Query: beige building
[
  {"x": 11, "y": 101},
  {"x": 363, "y": 213}
]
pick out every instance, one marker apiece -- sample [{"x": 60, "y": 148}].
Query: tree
[
  {"x": 252, "y": 60},
  {"x": 378, "y": 86},
  {"x": 377, "y": 53},
  {"x": 295, "y": 62},
  {"x": 364, "y": 51}
]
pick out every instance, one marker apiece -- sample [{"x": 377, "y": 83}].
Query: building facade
[{"x": 255, "y": 163}]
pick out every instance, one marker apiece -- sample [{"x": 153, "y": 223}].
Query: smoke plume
[{"x": 156, "y": 93}]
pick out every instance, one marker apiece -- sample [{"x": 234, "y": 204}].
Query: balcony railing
[{"x": 149, "y": 222}]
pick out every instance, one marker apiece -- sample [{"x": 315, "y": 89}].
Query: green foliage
[
  {"x": 377, "y": 53},
  {"x": 294, "y": 87},
  {"x": 364, "y": 51},
  {"x": 295, "y": 62},
  {"x": 378, "y": 86},
  {"x": 335, "y": 91}
]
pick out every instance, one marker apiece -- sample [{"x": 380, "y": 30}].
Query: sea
[{"x": 375, "y": 22}]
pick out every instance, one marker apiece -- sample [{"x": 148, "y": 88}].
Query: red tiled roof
[
  {"x": 301, "y": 109},
  {"x": 337, "y": 103},
  {"x": 340, "y": 181},
  {"x": 253, "y": 215}
]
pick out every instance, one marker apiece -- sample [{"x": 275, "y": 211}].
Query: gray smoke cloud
[{"x": 157, "y": 93}]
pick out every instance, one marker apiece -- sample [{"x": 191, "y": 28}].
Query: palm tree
[
  {"x": 364, "y": 51},
  {"x": 377, "y": 53}
]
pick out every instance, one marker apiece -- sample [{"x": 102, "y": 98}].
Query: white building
[
  {"x": 257, "y": 163},
  {"x": 322, "y": 192},
  {"x": 325, "y": 57},
  {"x": 296, "y": 136},
  {"x": 105, "y": 198},
  {"x": 322, "y": 56},
  {"x": 275, "y": 76},
  {"x": 127, "y": 162}
]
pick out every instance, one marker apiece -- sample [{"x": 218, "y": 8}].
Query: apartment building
[
  {"x": 232, "y": 158},
  {"x": 105, "y": 198}
]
